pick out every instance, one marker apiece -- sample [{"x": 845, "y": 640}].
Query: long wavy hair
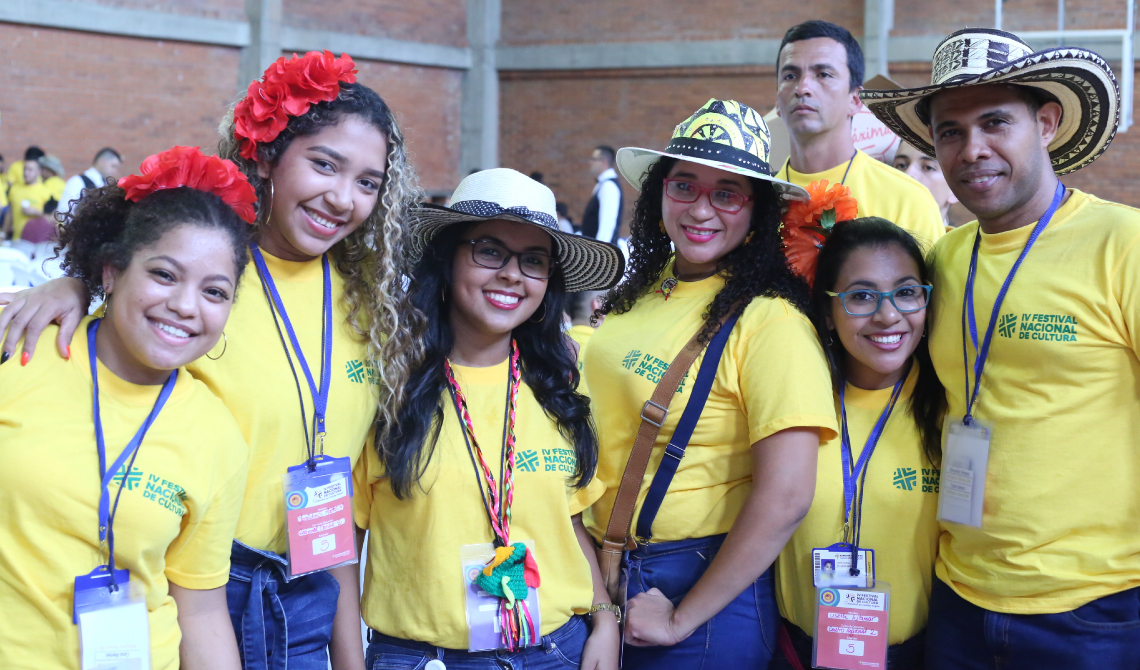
[
  {"x": 928, "y": 401},
  {"x": 755, "y": 268},
  {"x": 549, "y": 368},
  {"x": 371, "y": 258}
]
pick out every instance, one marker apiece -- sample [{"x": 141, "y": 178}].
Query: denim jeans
[
  {"x": 559, "y": 650},
  {"x": 1102, "y": 635},
  {"x": 906, "y": 655},
  {"x": 279, "y": 624},
  {"x": 742, "y": 636}
]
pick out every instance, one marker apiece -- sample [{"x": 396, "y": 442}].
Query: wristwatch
[{"x": 609, "y": 607}]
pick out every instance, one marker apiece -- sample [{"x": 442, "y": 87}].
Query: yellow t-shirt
[
  {"x": 771, "y": 377},
  {"x": 883, "y": 191},
  {"x": 255, "y": 381},
  {"x": 581, "y": 335},
  {"x": 413, "y": 585},
  {"x": 15, "y": 173},
  {"x": 1061, "y": 521},
  {"x": 900, "y": 505},
  {"x": 176, "y": 516},
  {"x": 55, "y": 187},
  {"x": 36, "y": 194}
]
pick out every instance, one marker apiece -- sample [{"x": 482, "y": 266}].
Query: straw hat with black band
[
  {"x": 1080, "y": 80},
  {"x": 501, "y": 193},
  {"x": 723, "y": 134}
]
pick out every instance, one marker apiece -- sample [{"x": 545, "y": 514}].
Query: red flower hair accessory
[
  {"x": 807, "y": 225},
  {"x": 288, "y": 88},
  {"x": 187, "y": 166}
]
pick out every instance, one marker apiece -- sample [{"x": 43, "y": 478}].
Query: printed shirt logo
[
  {"x": 166, "y": 494},
  {"x": 549, "y": 460},
  {"x": 649, "y": 366},
  {"x": 133, "y": 479},
  {"x": 358, "y": 373},
  {"x": 906, "y": 479},
  {"x": 1039, "y": 327}
]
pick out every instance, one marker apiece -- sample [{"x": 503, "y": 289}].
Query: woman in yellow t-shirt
[
  {"x": 473, "y": 498},
  {"x": 705, "y": 244},
  {"x": 870, "y": 293},
  {"x": 84, "y": 500},
  {"x": 334, "y": 187}
]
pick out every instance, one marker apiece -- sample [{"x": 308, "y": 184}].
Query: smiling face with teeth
[
  {"x": 878, "y": 347},
  {"x": 169, "y": 306},
  {"x": 700, "y": 233},
  {"x": 324, "y": 187},
  {"x": 486, "y": 305}
]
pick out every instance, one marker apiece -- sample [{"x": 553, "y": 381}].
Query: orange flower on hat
[
  {"x": 188, "y": 166},
  {"x": 807, "y": 225},
  {"x": 288, "y": 88}
]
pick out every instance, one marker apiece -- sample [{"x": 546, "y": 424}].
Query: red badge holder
[
  {"x": 318, "y": 511},
  {"x": 851, "y": 627}
]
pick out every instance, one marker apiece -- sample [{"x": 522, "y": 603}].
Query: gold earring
[
  {"x": 268, "y": 212},
  {"x": 748, "y": 237},
  {"x": 543, "y": 314},
  {"x": 225, "y": 345},
  {"x": 661, "y": 225}
]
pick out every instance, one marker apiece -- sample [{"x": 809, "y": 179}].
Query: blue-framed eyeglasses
[{"x": 865, "y": 302}]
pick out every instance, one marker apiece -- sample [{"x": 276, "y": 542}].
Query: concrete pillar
[
  {"x": 264, "y": 40},
  {"x": 878, "y": 20},
  {"x": 479, "y": 107}
]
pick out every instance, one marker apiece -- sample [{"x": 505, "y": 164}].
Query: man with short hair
[
  {"x": 104, "y": 169},
  {"x": 27, "y": 198},
  {"x": 819, "y": 75},
  {"x": 15, "y": 173},
  {"x": 602, "y": 218},
  {"x": 1035, "y": 334},
  {"x": 926, "y": 171}
]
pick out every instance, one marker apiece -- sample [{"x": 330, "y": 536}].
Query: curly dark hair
[
  {"x": 107, "y": 229},
  {"x": 928, "y": 401},
  {"x": 755, "y": 268},
  {"x": 549, "y": 369}
]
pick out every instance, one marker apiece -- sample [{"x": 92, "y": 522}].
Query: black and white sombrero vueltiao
[
  {"x": 502, "y": 193},
  {"x": 1078, "y": 78}
]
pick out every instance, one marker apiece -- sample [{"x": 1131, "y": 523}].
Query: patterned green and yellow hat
[{"x": 723, "y": 134}]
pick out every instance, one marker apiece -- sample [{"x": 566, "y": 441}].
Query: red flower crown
[
  {"x": 187, "y": 166},
  {"x": 807, "y": 225},
  {"x": 288, "y": 88}
]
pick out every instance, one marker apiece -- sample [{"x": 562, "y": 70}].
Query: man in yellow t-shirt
[
  {"x": 1045, "y": 572},
  {"x": 27, "y": 199},
  {"x": 820, "y": 73}
]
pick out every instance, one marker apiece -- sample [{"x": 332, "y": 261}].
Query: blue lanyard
[
  {"x": 320, "y": 396},
  {"x": 968, "y": 304},
  {"x": 106, "y": 475}
]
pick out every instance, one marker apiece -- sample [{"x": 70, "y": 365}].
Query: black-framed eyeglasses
[
  {"x": 492, "y": 254},
  {"x": 865, "y": 302}
]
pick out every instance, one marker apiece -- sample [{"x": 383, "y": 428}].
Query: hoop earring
[
  {"x": 532, "y": 319},
  {"x": 225, "y": 345},
  {"x": 268, "y": 212},
  {"x": 661, "y": 225},
  {"x": 830, "y": 342}
]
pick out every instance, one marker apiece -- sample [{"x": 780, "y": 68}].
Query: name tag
[
  {"x": 832, "y": 566},
  {"x": 851, "y": 627},
  {"x": 966, "y": 453},
  {"x": 318, "y": 516},
  {"x": 114, "y": 629}
]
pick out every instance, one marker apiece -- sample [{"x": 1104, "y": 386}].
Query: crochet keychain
[{"x": 512, "y": 572}]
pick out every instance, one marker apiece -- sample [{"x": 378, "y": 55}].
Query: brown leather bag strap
[{"x": 653, "y": 415}]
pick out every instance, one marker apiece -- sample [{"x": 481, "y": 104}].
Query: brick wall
[
  {"x": 230, "y": 10},
  {"x": 434, "y": 21}
]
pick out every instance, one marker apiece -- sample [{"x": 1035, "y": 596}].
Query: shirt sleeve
[
  {"x": 926, "y": 219},
  {"x": 362, "y": 477},
  {"x": 1126, "y": 285},
  {"x": 609, "y": 199},
  {"x": 71, "y": 191},
  {"x": 199, "y": 558},
  {"x": 583, "y": 498},
  {"x": 785, "y": 348}
]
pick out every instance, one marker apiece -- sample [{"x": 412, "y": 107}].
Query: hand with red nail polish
[{"x": 24, "y": 358}]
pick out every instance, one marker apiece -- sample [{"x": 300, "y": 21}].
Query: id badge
[
  {"x": 114, "y": 629},
  {"x": 484, "y": 630},
  {"x": 832, "y": 566},
  {"x": 851, "y": 627},
  {"x": 966, "y": 454},
  {"x": 318, "y": 516}
]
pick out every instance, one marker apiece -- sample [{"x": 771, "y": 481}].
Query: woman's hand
[
  {"x": 650, "y": 620},
  {"x": 603, "y": 647},
  {"x": 62, "y": 301}
]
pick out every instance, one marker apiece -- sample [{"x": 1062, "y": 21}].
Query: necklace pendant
[{"x": 667, "y": 287}]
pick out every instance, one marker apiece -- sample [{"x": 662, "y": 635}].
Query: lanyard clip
[{"x": 321, "y": 439}]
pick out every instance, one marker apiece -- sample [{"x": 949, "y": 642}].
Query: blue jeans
[
  {"x": 906, "y": 655},
  {"x": 559, "y": 650},
  {"x": 279, "y": 624},
  {"x": 742, "y": 636},
  {"x": 1102, "y": 635}
]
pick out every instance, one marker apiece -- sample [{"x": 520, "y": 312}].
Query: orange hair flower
[{"x": 807, "y": 225}]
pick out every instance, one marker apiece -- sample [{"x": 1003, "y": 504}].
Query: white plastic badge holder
[
  {"x": 318, "y": 516},
  {"x": 966, "y": 452},
  {"x": 832, "y": 566},
  {"x": 852, "y": 627},
  {"x": 114, "y": 631},
  {"x": 484, "y": 631}
]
